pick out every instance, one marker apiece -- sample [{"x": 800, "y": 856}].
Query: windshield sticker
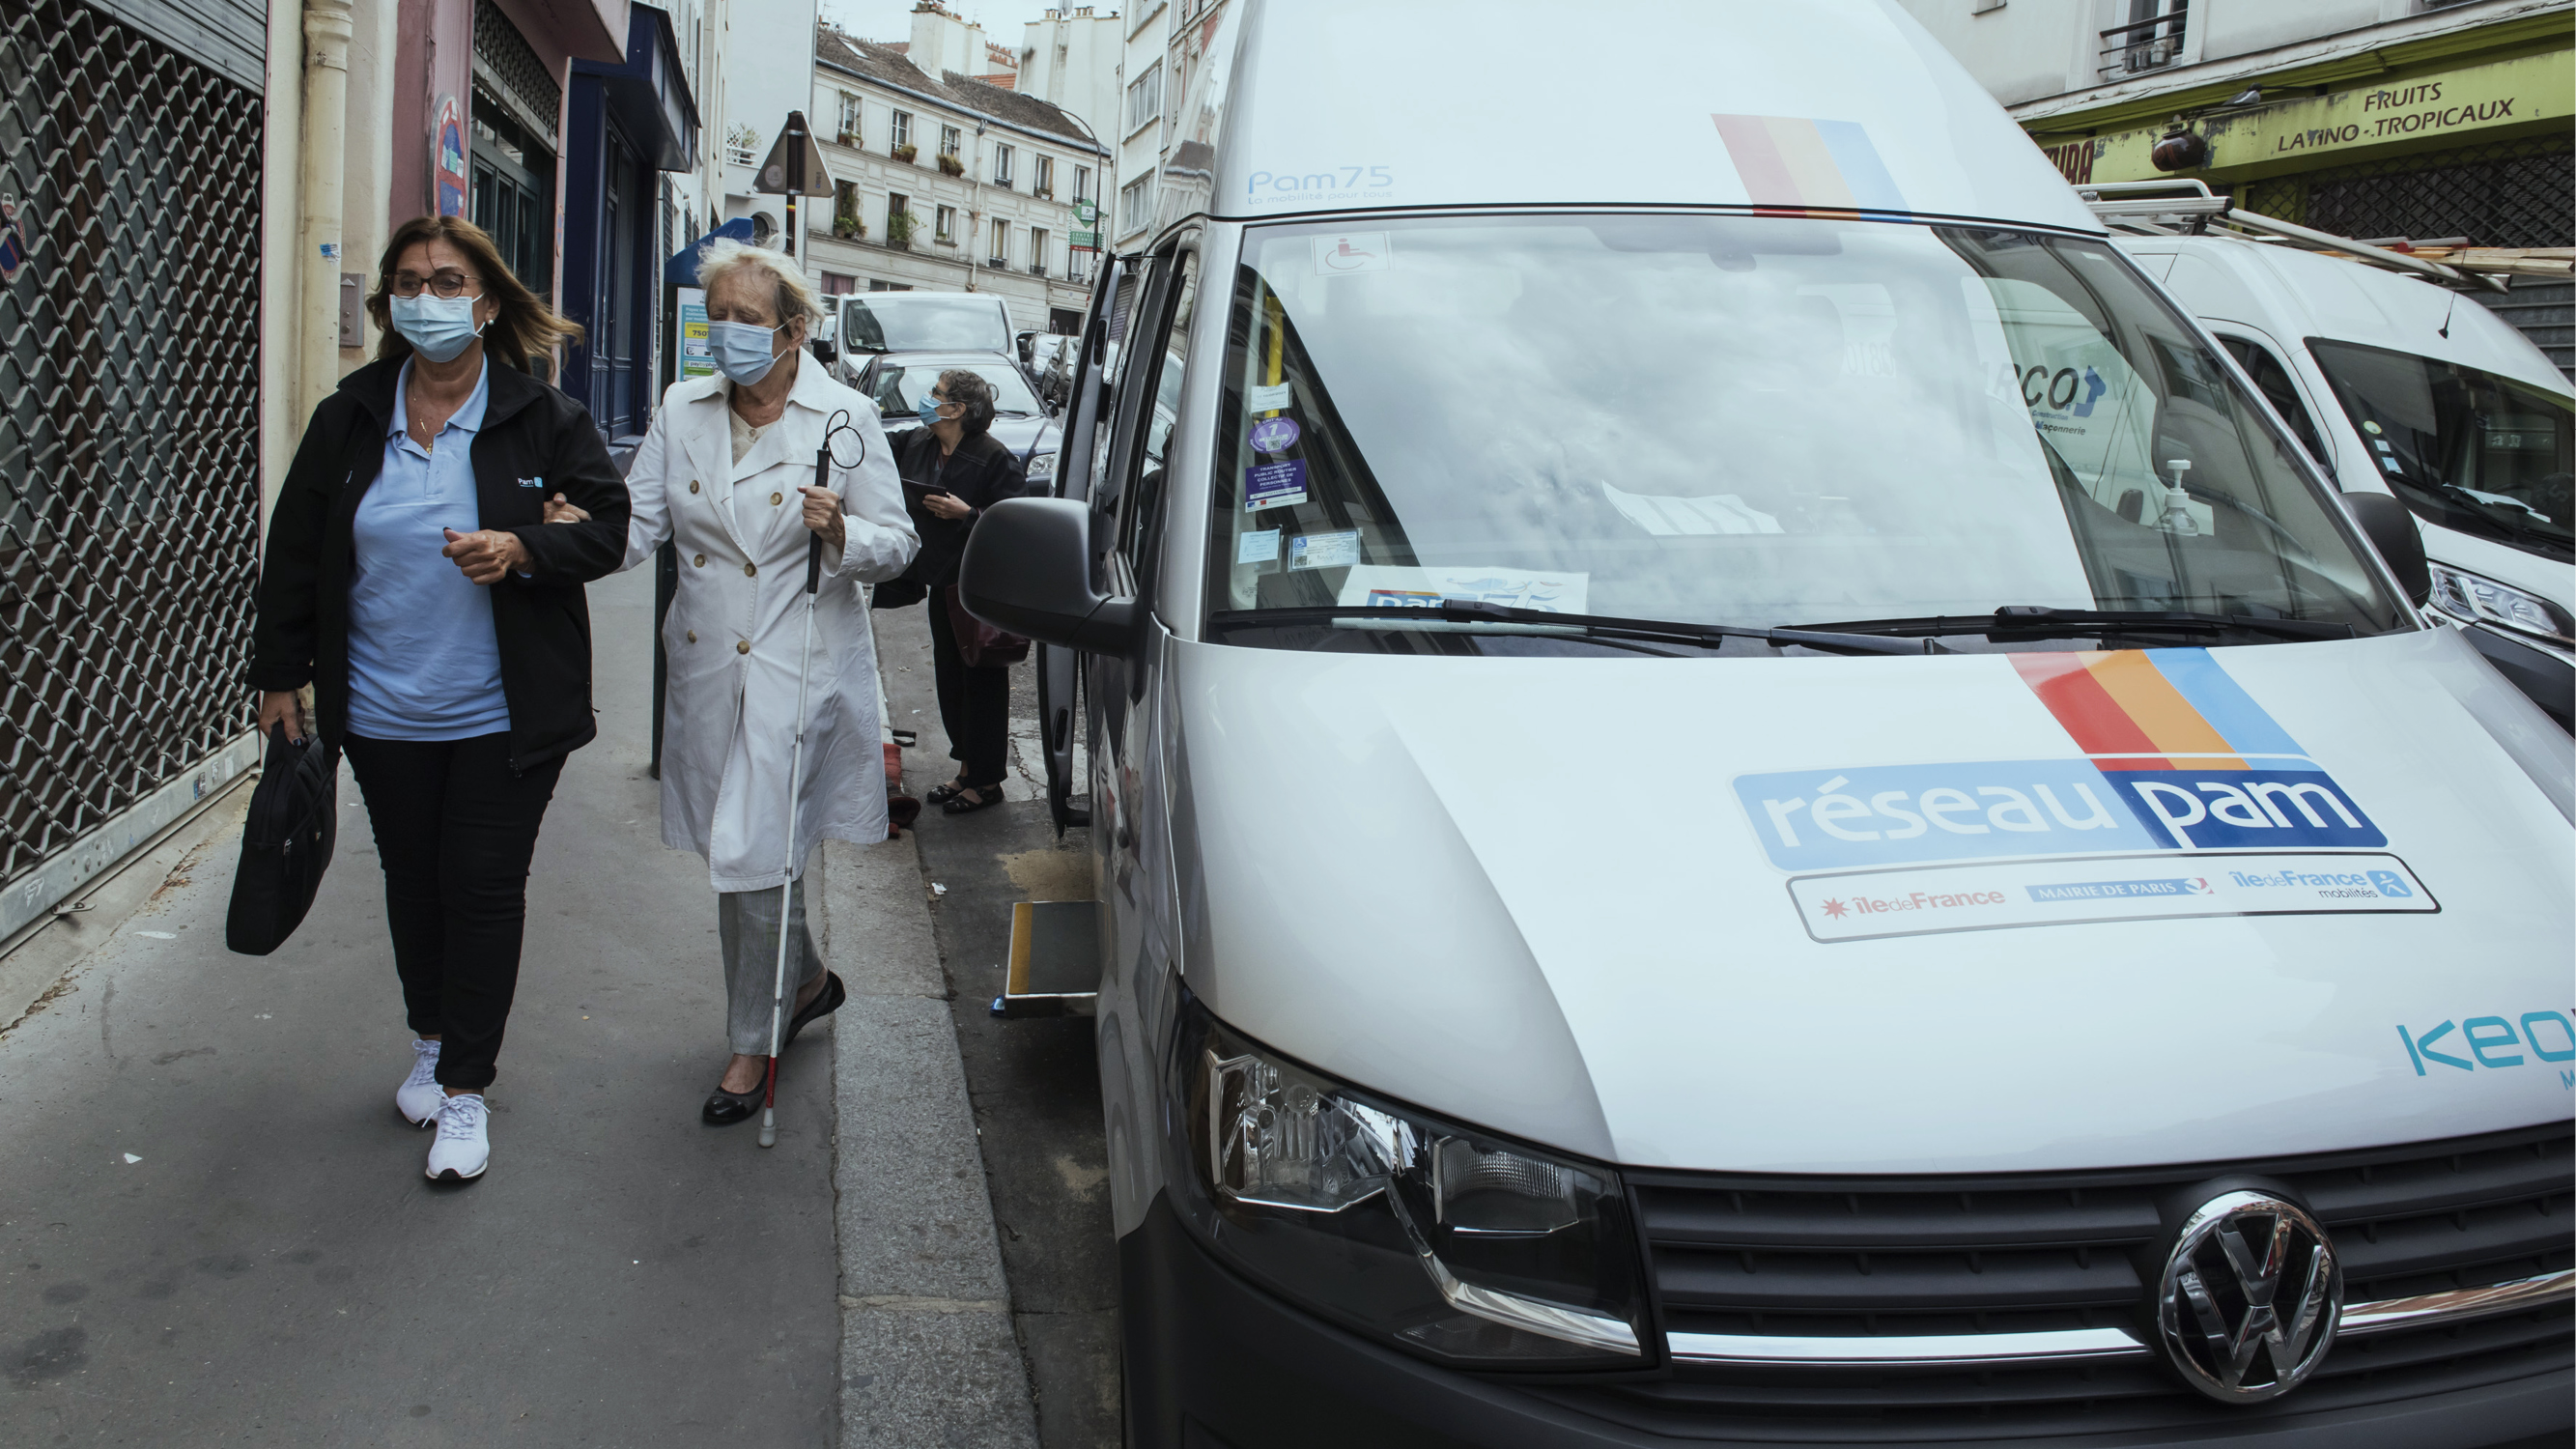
[
  {"x": 2493, "y": 1043},
  {"x": 1928, "y": 900},
  {"x": 1352, "y": 251},
  {"x": 1795, "y": 161},
  {"x": 1259, "y": 546},
  {"x": 1269, "y": 399},
  {"x": 1274, "y": 435},
  {"x": 1274, "y": 485},
  {"x": 1324, "y": 550},
  {"x": 2175, "y": 756},
  {"x": 1512, "y": 588},
  {"x": 1338, "y": 183}
]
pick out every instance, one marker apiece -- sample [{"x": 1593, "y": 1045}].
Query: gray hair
[
  {"x": 724, "y": 256},
  {"x": 969, "y": 389}
]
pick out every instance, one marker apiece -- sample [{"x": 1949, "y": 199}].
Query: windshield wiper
[
  {"x": 2039, "y": 621},
  {"x": 1469, "y": 611}
]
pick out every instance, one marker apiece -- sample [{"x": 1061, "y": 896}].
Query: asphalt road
[
  {"x": 215, "y": 1230},
  {"x": 1034, "y": 1084}
]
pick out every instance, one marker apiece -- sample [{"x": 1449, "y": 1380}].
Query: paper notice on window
[
  {"x": 1259, "y": 546},
  {"x": 1400, "y": 586},
  {"x": 1324, "y": 550},
  {"x": 1270, "y": 399},
  {"x": 1274, "y": 485},
  {"x": 1668, "y": 515}
]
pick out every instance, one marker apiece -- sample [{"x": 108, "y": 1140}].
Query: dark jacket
[
  {"x": 982, "y": 472},
  {"x": 535, "y": 443}
]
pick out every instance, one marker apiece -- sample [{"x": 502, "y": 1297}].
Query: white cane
[{"x": 795, "y": 770}]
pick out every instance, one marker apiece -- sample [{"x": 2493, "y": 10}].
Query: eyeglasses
[{"x": 445, "y": 284}]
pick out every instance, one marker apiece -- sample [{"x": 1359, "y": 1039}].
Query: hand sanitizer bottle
[{"x": 2178, "y": 516}]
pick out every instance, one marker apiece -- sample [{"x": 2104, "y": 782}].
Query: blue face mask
[
  {"x": 742, "y": 350},
  {"x": 929, "y": 410},
  {"x": 438, "y": 328}
]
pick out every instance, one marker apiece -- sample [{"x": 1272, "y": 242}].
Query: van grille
[{"x": 1882, "y": 1256}]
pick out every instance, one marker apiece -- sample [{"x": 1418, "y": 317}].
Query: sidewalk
[{"x": 213, "y": 1228}]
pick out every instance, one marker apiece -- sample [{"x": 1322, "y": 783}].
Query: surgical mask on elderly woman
[
  {"x": 742, "y": 350},
  {"x": 438, "y": 328},
  {"x": 928, "y": 412}
]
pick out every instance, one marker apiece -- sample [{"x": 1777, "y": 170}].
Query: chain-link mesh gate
[
  {"x": 129, "y": 421},
  {"x": 2504, "y": 194}
]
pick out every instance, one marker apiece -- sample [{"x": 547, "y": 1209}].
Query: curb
[{"x": 928, "y": 1353}]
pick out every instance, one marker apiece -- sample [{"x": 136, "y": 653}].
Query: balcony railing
[
  {"x": 740, "y": 155},
  {"x": 2143, "y": 45},
  {"x": 997, "y": 264},
  {"x": 1037, "y": 269}
]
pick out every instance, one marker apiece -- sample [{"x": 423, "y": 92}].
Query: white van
[
  {"x": 1742, "y": 795},
  {"x": 2405, "y": 388}
]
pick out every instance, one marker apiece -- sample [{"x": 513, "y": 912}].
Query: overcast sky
[{"x": 892, "y": 19}]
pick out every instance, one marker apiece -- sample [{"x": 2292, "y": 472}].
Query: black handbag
[{"x": 286, "y": 843}]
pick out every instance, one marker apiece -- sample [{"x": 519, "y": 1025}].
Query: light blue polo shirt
[{"x": 424, "y": 663}]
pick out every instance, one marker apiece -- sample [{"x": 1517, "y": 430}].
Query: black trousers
[
  {"x": 974, "y": 704},
  {"x": 455, "y": 828}
]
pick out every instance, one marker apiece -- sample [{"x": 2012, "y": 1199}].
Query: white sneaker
[
  {"x": 462, "y": 1150},
  {"x": 419, "y": 1095}
]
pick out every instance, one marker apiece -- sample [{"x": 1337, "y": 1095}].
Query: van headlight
[
  {"x": 2472, "y": 599},
  {"x": 1436, "y": 1237},
  {"x": 1041, "y": 465}
]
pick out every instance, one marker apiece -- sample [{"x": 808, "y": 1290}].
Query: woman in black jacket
[
  {"x": 411, "y": 580},
  {"x": 952, "y": 471}
]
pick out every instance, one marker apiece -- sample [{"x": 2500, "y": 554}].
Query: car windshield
[
  {"x": 1746, "y": 420},
  {"x": 2462, "y": 448},
  {"x": 916, "y": 322},
  {"x": 900, "y": 385}
]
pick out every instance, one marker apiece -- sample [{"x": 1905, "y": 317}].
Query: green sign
[
  {"x": 1084, "y": 238},
  {"x": 1086, "y": 213}
]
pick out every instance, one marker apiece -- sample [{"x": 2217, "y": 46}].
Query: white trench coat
[{"x": 732, "y": 636}]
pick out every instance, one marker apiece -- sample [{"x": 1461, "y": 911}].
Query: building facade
[
  {"x": 948, "y": 183},
  {"x": 2420, "y": 120}
]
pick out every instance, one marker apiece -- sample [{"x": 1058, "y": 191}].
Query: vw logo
[{"x": 2249, "y": 1299}]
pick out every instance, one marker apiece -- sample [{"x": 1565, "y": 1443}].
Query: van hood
[{"x": 1971, "y": 913}]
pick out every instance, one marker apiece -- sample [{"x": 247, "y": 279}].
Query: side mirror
[
  {"x": 1026, "y": 342},
  {"x": 2391, "y": 530},
  {"x": 1027, "y": 570}
]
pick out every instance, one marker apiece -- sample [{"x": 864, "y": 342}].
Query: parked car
[
  {"x": 2399, "y": 387},
  {"x": 2063, "y": 951},
  {"x": 1022, "y": 423}
]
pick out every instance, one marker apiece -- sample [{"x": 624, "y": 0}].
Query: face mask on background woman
[
  {"x": 928, "y": 411},
  {"x": 437, "y": 328},
  {"x": 742, "y": 350}
]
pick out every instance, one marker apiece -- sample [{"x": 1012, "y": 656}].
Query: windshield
[
  {"x": 900, "y": 386},
  {"x": 2462, "y": 448},
  {"x": 918, "y": 322},
  {"x": 1745, "y": 420}
]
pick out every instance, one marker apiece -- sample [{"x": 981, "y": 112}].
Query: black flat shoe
[
  {"x": 825, "y": 1002},
  {"x": 723, "y": 1108},
  {"x": 987, "y": 796},
  {"x": 942, "y": 794}
]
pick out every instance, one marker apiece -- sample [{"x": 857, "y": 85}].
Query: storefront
[
  {"x": 514, "y": 145},
  {"x": 626, "y": 124}
]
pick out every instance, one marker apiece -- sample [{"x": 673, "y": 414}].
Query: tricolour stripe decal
[
  {"x": 2133, "y": 709},
  {"x": 1795, "y": 163}
]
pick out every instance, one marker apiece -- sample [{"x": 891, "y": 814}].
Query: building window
[
  {"x": 1037, "y": 251},
  {"x": 899, "y": 222},
  {"x": 849, "y": 120},
  {"x": 947, "y": 233},
  {"x": 1001, "y": 256},
  {"x": 1145, "y": 97},
  {"x": 1077, "y": 265},
  {"x": 879, "y": 284},
  {"x": 1001, "y": 165},
  {"x": 949, "y": 140},
  {"x": 899, "y": 131},
  {"x": 846, "y": 221},
  {"x": 1082, "y": 183},
  {"x": 1136, "y": 205},
  {"x": 1043, "y": 184},
  {"x": 836, "y": 284},
  {"x": 2151, "y": 39}
]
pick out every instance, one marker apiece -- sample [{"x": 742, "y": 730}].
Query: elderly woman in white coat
[{"x": 727, "y": 472}]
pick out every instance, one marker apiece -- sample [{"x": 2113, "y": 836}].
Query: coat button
[
  {"x": 693, "y": 636},
  {"x": 751, "y": 571},
  {"x": 777, "y": 498},
  {"x": 742, "y": 646},
  {"x": 693, "y": 485},
  {"x": 700, "y": 560}
]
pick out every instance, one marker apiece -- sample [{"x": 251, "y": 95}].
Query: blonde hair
[
  {"x": 724, "y": 256},
  {"x": 523, "y": 326}
]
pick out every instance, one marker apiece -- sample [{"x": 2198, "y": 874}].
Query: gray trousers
[{"x": 747, "y": 933}]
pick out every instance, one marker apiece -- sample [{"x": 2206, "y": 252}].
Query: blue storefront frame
[{"x": 625, "y": 124}]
